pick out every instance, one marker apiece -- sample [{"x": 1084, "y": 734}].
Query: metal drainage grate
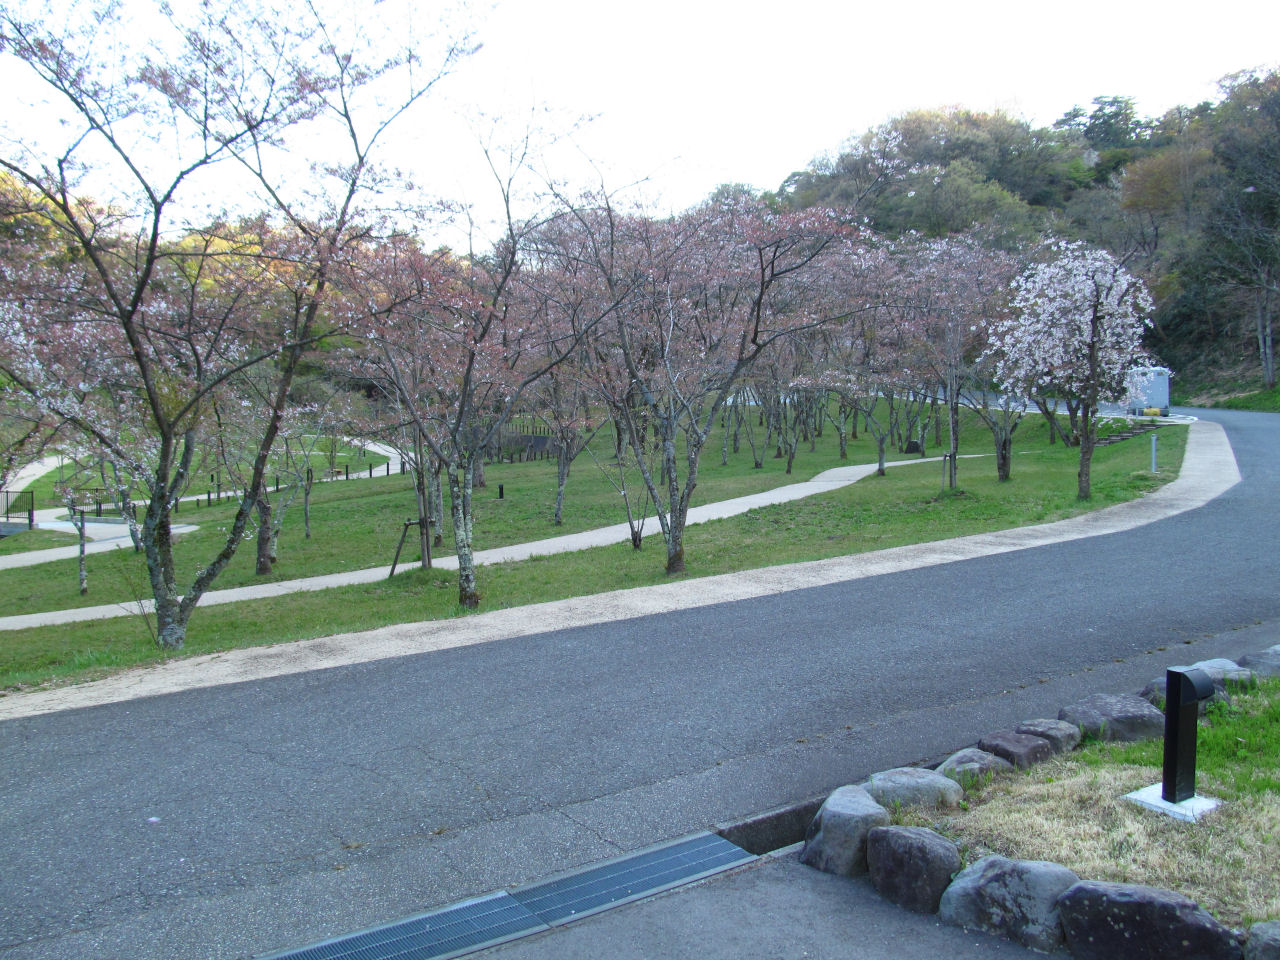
[
  {"x": 630, "y": 877},
  {"x": 485, "y": 921},
  {"x": 448, "y": 932}
]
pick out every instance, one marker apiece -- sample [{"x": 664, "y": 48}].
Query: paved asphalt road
[{"x": 235, "y": 820}]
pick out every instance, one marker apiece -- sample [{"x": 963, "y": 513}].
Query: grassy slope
[{"x": 902, "y": 507}]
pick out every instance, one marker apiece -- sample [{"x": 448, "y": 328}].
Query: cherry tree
[
  {"x": 950, "y": 288},
  {"x": 1075, "y": 331},
  {"x": 457, "y": 343},
  {"x": 715, "y": 288},
  {"x": 149, "y": 303}
]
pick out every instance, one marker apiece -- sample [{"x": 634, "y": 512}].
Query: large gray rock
[
  {"x": 1157, "y": 691},
  {"x": 1264, "y": 664},
  {"x": 1264, "y": 941},
  {"x": 836, "y": 841},
  {"x": 970, "y": 765},
  {"x": 1223, "y": 671},
  {"x": 1062, "y": 736},
  {"x": 1017, "y": 899},
  {"x": 1124, "y": 716},
  {"x": 1021, "y": 749},
  {"x": 1102, "y": 921},
  {"x": 913, "y": 787},
  {"x": 911, "y": 866}
]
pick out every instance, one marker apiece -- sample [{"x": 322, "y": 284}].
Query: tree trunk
[
  {"x": 562, "y": 478},
  {"x": 460, "y": 484},
  {"x": 435, "y": 497},
  {"x": 171, "y": 620},
  {"x": 306, "y": 504},
  {"x": 84, "y": 572},
  {"x": 1088, "y": 431},
  {"x": 880, "y": 445},
  {"x": 1266, "y": 338},
  {"x": 263, "y": 562},
  {"x": 422, "y": 498},
  {"x": 953, "y": 434},
  {"x": 1004, "y": 456}
]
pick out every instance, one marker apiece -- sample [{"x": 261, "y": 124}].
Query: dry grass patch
[
  {"x": 1071, "y": 810},
  {"x": 1074, "y": 813}
]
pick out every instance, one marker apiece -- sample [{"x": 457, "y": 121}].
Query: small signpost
[{"x": 1185, "y": 689}]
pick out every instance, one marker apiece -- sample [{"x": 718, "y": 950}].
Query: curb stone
[{"x": 1165, "y": 922}]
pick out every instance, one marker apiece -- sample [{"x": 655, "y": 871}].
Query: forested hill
[{"x": 1190, "y": 199}]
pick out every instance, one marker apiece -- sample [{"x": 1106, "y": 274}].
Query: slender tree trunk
[
  {"x": 953, "y": 434},
  {"x": 1088, "y": 432},
  {"x": 562, "y": 478},
  {"x": 1266, "y": 338},
  {"x": 435, "y": 496},
  {"x": 78, "y": 522},
  {"x": 461, "y": 478},
  {"x": 306, "y": 504},
  {"x": 880, "y": 445},
  {"x": 423, "y": 501}
]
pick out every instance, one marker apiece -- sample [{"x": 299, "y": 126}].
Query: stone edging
[{"x": 1038, "y": 904}]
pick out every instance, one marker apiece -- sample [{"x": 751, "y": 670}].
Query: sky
[
  {"x": 688, "y": 94},
  {"x": 662, "y": 101}
]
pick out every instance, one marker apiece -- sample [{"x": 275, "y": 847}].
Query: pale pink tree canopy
[{"x": 1076, "y": 326}]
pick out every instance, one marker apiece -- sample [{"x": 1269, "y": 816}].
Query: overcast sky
[
  {"x": 690, "y": 94},
  {"x": 680, "y": 96}
]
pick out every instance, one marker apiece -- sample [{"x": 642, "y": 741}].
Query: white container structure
[{"x": 1149, "y": 390}]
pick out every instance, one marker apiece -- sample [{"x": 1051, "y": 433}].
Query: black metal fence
[{"x": 19, "y": 505}]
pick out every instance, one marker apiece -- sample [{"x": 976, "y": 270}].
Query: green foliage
[
  {"x": 1190, "y": 200},
  {"x": 1237, "y": 745},
  {"x": 1265, "y": 400}
]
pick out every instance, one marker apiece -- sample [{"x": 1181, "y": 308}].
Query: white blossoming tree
[{"x": 1075, "y": 331}]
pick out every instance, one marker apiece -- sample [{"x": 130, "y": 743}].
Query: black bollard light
[
  {"x": 500, "y": 491},
  {"x": 1185, "y": 687}
]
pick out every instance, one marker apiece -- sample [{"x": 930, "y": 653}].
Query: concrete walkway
[
  {"x": 1208, "y": 470},
  {"x": 113, "y": 536}
]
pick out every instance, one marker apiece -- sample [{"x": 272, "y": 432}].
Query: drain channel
[{"x": 472, "y": 925}]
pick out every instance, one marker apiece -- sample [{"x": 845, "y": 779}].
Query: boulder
[
  {"x": 1017, "y": 899},
  {"x": 1264, "y": 941},
  {"x": 1107, "y": 716},
  {"x": 970, "y": 765},
  {"x": 1157, "y": 691},
  {"x": 836, "y": 841},
  {"x": 911, "y": 866},
  {"x": 1021, "y": 749},
  {"x": 1264, "y": 664},
  {"x": 913, "y": 787},
  {"x": 1101, "y": 921},
  {"x": 1223, "y": 671},
  {"x": 1062, "y": 736}
]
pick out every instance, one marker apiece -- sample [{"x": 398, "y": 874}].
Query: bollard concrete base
[{"x": 1189, "y": 810}]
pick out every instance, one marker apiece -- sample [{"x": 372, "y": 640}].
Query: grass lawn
[
  {"x": 1071, "y": 810},
  {"x": 1265, "y": 400},
  {"x": 45, "y": 488},
  {"x": 35, "y": 540},
  {"x": 903, "y": 507}
]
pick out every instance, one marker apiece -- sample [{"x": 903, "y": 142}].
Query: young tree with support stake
[{"x": 1075, "y": 331}]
